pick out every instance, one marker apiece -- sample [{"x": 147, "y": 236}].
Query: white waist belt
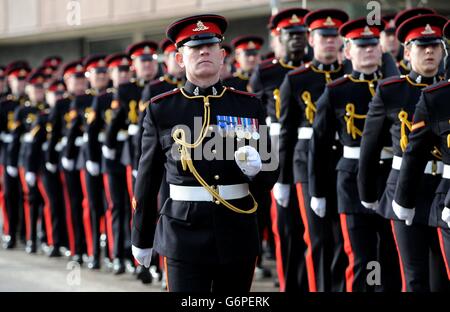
[
  {"x": 275, "y": 128},
  {"x": 199, "y": 193},
  {"x": 305, "y": 133},
  {"x": 133, "y": 129},
  {"x": 100, "y": 138},
  {"x": 355, "y": 152},
  {"x": 446, "y": 173},
  {"x": 436, "y": 168}
]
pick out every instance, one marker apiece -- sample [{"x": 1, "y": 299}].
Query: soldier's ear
[
  {"x": 310, "y": 36},
  {"x": 179, "y": 58}
]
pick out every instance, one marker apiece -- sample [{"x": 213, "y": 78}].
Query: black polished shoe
[
  {"x": 143, "y": 274},
  {"x": 30, "y": 248},
  {"x": 78, "y": 259},
  {"x": 94, "y": 264},
  {"x": 118, "y": 266},
  {"x": 55, "y": 253}
]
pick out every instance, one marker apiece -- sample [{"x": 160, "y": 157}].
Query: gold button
[
  {"x": 217, "y": 202},
  {"x": 381, "y": 162},
  {"x": 211, "y": 128},
  {"x": 216, "y": 177},
  {"x": 214, "y": 151}
]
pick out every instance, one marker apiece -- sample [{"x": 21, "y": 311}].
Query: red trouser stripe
[
  {"x": 276, "y": 237},
  {"x": 70, "y": 229},
  {"x": 47, "y": 212},
  {"x": 167, "y": 274},
  {"x": 86, "y": 214},
  {"x": 26, "y": 204},
  {"x": 402, "y": 269},
  {"x": 349, "y": 273},
  {"x": 3, "y": 203},
  {"x": 307, "y": 238},
  {"x": 444, "y": 254},
  {"x": 109, "y": 223}
]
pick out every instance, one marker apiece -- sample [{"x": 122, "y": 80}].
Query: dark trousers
[
  {"x": 290, "y": 248},
  {"x": 444, "y": 242},
  {"x": 423, "y": 269},
  {"x": 325, "y": 257},
  {"x": 264, "y": 200},
  {"x": 369, "y": 245},
  {"x": 11, "y": 204},
  {"x": 50, "y": 187},
  {"x": 94, "y": 210},
  {"x": 118, "y": 221},
  {"x": 75, "y": 211},
  {"x": 217, "y": 278}
]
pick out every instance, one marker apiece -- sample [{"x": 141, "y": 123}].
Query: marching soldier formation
[{"x": 330, "y": 155}]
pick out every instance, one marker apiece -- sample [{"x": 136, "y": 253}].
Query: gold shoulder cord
[
  {"x": 310, "y": 106},
  {"x": 369, "y": 83},
  {"x": 179, "y": 137},
  {"x": 403, "y": 116},
  {"x": 276, "y": 97},
  {"x": 350, "y": 120},
  {"x": 327, "y": 73}
]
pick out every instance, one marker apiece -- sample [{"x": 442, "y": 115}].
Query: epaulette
[
  {"x": 268, "y": 64},
  {"x": 90, "y": 92},
  {"x": 110, "y": 90},
  {"x": 392, "y": 80},
  {"x": 306, "y": 67},
  {"x": 241, "y": 92},
  {"x": 338, "y": 81},
  {"x": 436, "y": 86},
  {"x": 164, "y": 95}
]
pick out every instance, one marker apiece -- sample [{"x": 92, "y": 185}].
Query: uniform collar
[
  {"x": 325, "y": 67},
  {"x": 415, "y": 77},
  {"x": 287, "y": 62},
  {"x": 192, "y": 89},
  {"x": 361, "y": 76}
]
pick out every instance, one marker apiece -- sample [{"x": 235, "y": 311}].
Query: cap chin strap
[{"x": 179, "y": 136}]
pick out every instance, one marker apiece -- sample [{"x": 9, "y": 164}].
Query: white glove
[
  {"x": 51, "y": 167},
  {"x": 108, "y": 153},
  {"x": 143, "y": 256},
  {"x": 93, "y": 168},
  {"x": 67, "y": 163},
  {"x": 12, "y": 171},
  {"x": 134, "y": 173},
  {"x": 372, "y": 206},
  {"x": 445, "y": 216},
  {"x": 248, "y": 160},
  {"x": 319, "y": 206},
  {"x": 30, "y": 177},
  {"x": 406, "y": 214},
  {"x": 281, "y": 193}
]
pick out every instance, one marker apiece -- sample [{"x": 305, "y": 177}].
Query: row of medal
[{"x": 240, "y": 127}]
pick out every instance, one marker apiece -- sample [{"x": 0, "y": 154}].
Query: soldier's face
[
  {"x": 119, "y": 77},
  {"x": 363, "y": 56},
  {"x": 293, "y": 42},
  {"x": 276, "y": 46},
  {"x": 247, "y": 61},
  {"x": 76, "y": 85},
  {"x": 325, "y": 47},
  {"x": 17, "y": 85},
  {"x": 146, "y": 70},
  {"x": 425, "y": 59},
  {"x": 35, "y": 93},
  {"x": 98, "y": 80},
  {"x": 201, "y": 62},
  {"x": 389, "y": 43}
]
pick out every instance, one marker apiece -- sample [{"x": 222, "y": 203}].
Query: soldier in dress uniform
[
  {"x": 342, "y": 108},
  {"x": 265, "y": 82},
  {"x": 72, "y": 160},
  {"x": 207, "y": 231},
  {"x": 391, "y": 112},
  {"x": 388, "y": 41},
  {"x": 23, "y": 132},
  {"x": 247, "y": 56},
  {"x": 430, "y": 128},
  {"x": 16, "y": 74},
  {"x": 300, "y": 90},
  {"x": 400, "y": 17},
  {"x": 91, "y": 177}
]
